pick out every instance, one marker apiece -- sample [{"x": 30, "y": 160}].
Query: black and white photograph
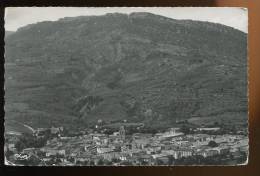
[{"x": 126, "y": 86}]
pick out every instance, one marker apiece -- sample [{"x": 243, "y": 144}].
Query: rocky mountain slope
[{"x": 140, "y": 67}]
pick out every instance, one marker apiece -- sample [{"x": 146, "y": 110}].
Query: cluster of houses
[
  {"x": 40, "y": 132},
  {"x": 135, "y": 149}
]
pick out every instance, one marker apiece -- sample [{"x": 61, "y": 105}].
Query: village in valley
[
  {"x": 128, "y": 145},
  {"x": 137, "y": 86}
]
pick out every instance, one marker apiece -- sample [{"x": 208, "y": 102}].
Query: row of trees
[{"x": 30, "y": 141}]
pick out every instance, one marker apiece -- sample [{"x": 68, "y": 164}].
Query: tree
[
  {"x": 216, "y": 124},
  {"x": 91, "y": 163},
  {"x": 9, "y": 153},
  {"x": 33, "y": 160},
  {"x": 243, "y": 158},
  {"x": 171, "y": 160},
  {"x": 115, "y": 160},
  {"x": 212, "y": 144},
  {"x": 185, "y": 129},
  {"x": 159, "y": 162},
  {"x": 20, "y": 146},
  {"x": 100, "y": 162},
  {"x": 41, "y": 154},
  {"x": 126, "y": 163},
  {"x": 107, "y": 163},
  {"x": 27, "y": 141}
]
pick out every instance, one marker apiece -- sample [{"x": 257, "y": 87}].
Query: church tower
[{"x": 122, "y": 132}]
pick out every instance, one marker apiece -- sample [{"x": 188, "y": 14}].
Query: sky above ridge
[{"x": 16, "y": 17}]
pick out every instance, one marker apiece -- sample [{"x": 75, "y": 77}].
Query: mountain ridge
[{"x": 82, "y": 69}]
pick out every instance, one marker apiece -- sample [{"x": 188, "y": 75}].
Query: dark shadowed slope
[
  {"x": 7, "y": 33},
  {"x": 140, "y": 67}
]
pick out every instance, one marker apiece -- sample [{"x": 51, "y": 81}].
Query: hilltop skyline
[{"x": 17, "y": 17}]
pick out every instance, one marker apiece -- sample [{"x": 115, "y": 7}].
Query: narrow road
[
  {"x": 30, "y": 128},
  {"x": 26, "y": 126}
]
